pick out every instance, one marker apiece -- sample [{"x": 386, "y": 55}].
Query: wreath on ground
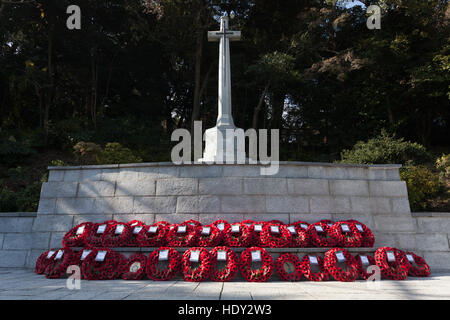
[
  {"x": 417, "y": 266},
  {"x": 170, "y": 269},
  {"x": 221, "y": 272},
  {"x": 117, "y": 235},
  {"x": 288, "y": 267},
  {"x": 102, "y": 264},
  {"x": 299, "y": 233},
  {"x": 182, "y": 235},
  {"x": 391, "y": 262},
  {"x": 59, "y": 262},
  {"x": 77, "y": 236},
  {"x": 346, "y": 234},
  {"x": 363, "y": 264},
  {"x": 242, "y": 237},
  {"x": 248, "y": 222},
  {"x": 192, "y": 222},
  {"x": 336, "y": 255},
  {"x": 276, "y": 222},
  {"x": 209, "y": 236},
  {"x": 319, "y": 235},
  {"x": 201, "y": 258},
  {"x": 95, "y": 238},
  {"x": 263, "y": 272},
  {"x": 152, "y": 236},
  {"x": 321, "y": 275},
  {"x": 44, "y": 260},
  {"x": 275, "y": 235},
  {"x": 327, "y": 222},
  {"x": 134, "y": 268},
  {"x": 257, "y": 229},
  {"x": 136, "y": 226},
  {"x": 162, "y": 223},
  {"x": 368, "y": 238}
]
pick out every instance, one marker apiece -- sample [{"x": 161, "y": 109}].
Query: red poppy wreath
[
  {"x": 254, "y": 255},
  {"x": 306, "y": 266},
  {"x": 221, "y": 225},
  {"x": 152, "y": 236},
  {"x": 417, "y": 266},
  {"x": 226, "y": 256},
  {"x": 368, "y": 238},
  {"x": 238, "y": 235},
  {"x": 168, "y": 257},
  {"x": 134, "y": 268},
  {"x": 364, "y": 261},
  {"x": 331, "y": 263},
  {"x": 347, "y": 234},
  {"x": 391, "y": 262},
  {"x": 319, "y": 235},
  {"x": 102, "y": 264},
  {"x": 44, "y": 260},
  {"x": 58, "y": 264},
  {"x": 117, "y": 235},
  {"x": 209, "y": 236},
  {"x": 97, "y": 232},
  {"x": 299, "y": 232},
  {"x": 162, "y": 222},
  {"x": 257, "y": 229},
  {"x": 196, "y": 264},
  {"x": 192, "y": 222},
  {"x": 275, "y": 235},
  {"x": 136, "y": 226},
  {"x": 288, "y": 267},
  {"x": 77, "y": 236},
  {"x": 182, "y": 235}
]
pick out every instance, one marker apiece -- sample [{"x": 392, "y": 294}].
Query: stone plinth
[{"x": 149, "y": 192}]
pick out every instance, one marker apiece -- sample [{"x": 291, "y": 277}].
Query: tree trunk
[
  {"x": 277, "y": 109},
  {"x": 51, "y": 82},
  {"x": 257, "y": 110}
]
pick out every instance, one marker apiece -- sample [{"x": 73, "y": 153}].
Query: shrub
[
  {"x": 114, "y": 153},
  {"x": 87, "y": 152},
  {"x": 443, "y": 165},
  {"x": 386, "y": 149},
  {"x": 8, "y": 201},
  {"x": 422, "y": 185}
]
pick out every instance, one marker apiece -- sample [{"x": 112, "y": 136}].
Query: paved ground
[{"x": 24, "y": 285}]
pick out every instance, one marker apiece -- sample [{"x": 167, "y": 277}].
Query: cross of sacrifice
[{"x": 224, "y": 36}]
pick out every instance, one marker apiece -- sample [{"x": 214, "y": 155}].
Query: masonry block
[
  {"x": 380, "y": 205},
  {"x": 433, "y": 225},
  {"x": 96, "y": 189},
  {"x": 432, "y": 242},
  {"x": 241, "y": 171},
  {"x": 52, "y": 223},
  {"x": 56, "y": 239},
  {"x": 74, "y": 205},
  {"x": 201, "y": 171},
  {"x": 207, "y": 218},
  {"x": 136, "y": 188},
  {"x": 284, "y": 217},
  {"x": 330, "y": 204},
  {"x": 18, "y": 241},
  {"x": 113, "y": 205},
  {"x": 309, "y": 217},
  {"x": 13, "y": 258},
  {"x": 18, "y": 224},
  {"x": 265, "y": 186},
  {"x": 437, "y": 260},
  {"x": 287, "y": 204},
  {"x": 176, "y": 218},
  {"x": 96, "y": 218},
  {"x": 394, "y": 224},
  {"x": 184, "y": 186},
  {"x": 349, "y": 188},
  {"x": 145, "y": 218},
  {"x": 58, "y": 189},
  {"x": 224, "y": 186},
  {"x": 198, "y": 204},
  {"x": 242, "y": 204},
  {"x": 110, "y": 174},
  {"x": 308, "y": 187},
  {"x": 400, "y": 205},
  {"x": 168, "y": 172},
  {"x": 357, "y": 173},
  {"x": 154, "y": 204},
  {"x": 388, "y": 189},
  {"x": 360, "y": 205},
  {"x": 337, "y": 173},
  {"x": 56, "y": 175},
  {"x": 91, "y": 175},
  {"x": 72, "y": 175},
  {"x": 47, "y": 206}
]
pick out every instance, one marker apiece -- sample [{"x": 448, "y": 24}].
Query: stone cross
[{"x": 224, "y": 117}]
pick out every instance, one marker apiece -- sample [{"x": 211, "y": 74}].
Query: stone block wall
[{"x": 16, "y": 239}]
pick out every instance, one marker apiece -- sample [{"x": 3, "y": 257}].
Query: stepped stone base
[{"x": 373, "y": 194}]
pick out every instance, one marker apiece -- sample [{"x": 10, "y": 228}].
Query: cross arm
[{"x": 216, "y": 35}]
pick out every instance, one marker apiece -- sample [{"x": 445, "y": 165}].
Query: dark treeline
[{"x": 139, "y": 69}]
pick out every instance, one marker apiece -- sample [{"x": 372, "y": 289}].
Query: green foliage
[
  {"x": 8, "y": 201},
  {"x": 114, "y": 153},
  {"x": 423, "y": 185},
  {"x": 386, "y": 149},
  {"x": 13, "y": 151},
  {"x": 58, "y": 163},
  {"x": 443, "y": 165},
  {"x": 87, "y": 152}
]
